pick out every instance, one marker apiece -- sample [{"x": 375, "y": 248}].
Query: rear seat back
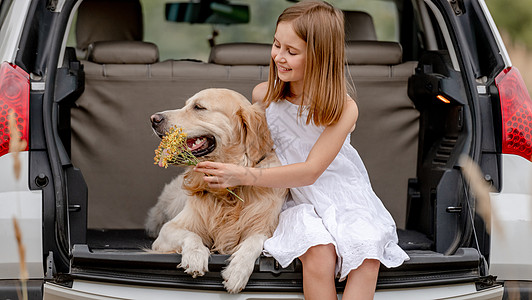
[
  {"x": 237, "y": 54},
  {"x": 359, "y": 26},
  {"x": 104, "y": 20}
]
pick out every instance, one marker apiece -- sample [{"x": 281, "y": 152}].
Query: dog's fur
[{"x": 199, "y": 220}]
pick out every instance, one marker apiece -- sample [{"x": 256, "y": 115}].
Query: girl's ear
[{"x": 255, "y": 133}]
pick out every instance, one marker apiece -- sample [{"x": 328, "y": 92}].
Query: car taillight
[
  {"x": 14, "y": 99},
  {"x": 516, "y": 109}
]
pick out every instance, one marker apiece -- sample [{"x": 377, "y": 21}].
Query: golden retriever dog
[{"x": 221, "y": 125}]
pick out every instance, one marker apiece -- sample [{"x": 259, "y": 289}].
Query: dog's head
[{"x": 221, "y": 125}]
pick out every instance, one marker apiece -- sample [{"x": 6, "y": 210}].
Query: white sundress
[{"x": 340, "y": 208}]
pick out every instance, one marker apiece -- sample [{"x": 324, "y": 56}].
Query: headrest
[
  {"x": 104, "y": 20},
  {"x": 359, "y": 26},
  {"x": 373, "y": 53},
  {"x": 123, "y": 52},
  {"x": 241, "y": 54}
]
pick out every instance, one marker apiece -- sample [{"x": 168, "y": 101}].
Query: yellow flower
[{"x": 173, "y": 150}]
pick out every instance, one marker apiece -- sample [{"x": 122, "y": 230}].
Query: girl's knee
[
  {"x": 319, "y": 257},
  {"x": 372, "y": 264},
  {"x": 369, "y": 267}
]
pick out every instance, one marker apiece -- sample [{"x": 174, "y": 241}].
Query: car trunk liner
[{"x": 122, "y": 256}]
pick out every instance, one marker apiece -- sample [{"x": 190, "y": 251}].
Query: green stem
[{"x": 234, "y": 194}]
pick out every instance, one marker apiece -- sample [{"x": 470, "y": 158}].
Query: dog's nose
[{"x": 156, "y": 119}]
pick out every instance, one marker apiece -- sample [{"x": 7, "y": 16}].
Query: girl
[{"x": 333, "y": 222}]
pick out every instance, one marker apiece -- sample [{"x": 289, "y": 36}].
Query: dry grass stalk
[
  {"x": 22, "y": 257},
  {"x": 481, "y": 191},
  {"x": 16, "y": 144}
]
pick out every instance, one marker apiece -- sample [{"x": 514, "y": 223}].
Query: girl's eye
[
  {"x": 198, "y": 107},
  {"x": 277, "y": 45}
]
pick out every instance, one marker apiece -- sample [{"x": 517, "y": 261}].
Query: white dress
[{"x": 340, "y": 208}]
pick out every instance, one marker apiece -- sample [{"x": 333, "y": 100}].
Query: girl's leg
[
  {"x": 361, "y": 282},
  {"x": 319, "y": 264}
]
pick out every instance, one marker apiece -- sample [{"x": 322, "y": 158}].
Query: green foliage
[{"x": 513, "y": 17}]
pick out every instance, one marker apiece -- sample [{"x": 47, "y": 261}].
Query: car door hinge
[
  {"x": 458, "y": 6},
  {"x": 486, "y": 282},
  {"x": 50, "y": 266}
]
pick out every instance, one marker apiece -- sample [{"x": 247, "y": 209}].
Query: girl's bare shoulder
[
  {"x": 350, "y": 114},
  {"x": 259, "y": 92},
  {"x": 352, "y": 105}
]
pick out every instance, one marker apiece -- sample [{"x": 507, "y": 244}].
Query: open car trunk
[
  {"x": 409, "y": 141},
  {"x": 437, "y": 214}
]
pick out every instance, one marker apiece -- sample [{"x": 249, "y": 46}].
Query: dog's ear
[{"x": 255, "y": 134}]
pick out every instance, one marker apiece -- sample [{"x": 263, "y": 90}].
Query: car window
[{"x": 191, "y": 41}]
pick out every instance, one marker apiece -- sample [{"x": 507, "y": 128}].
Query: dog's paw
[
  {"x": 195, "y": 262},
  {"x": 162, "y": 245},
  {"x": 236, "y": 275}
]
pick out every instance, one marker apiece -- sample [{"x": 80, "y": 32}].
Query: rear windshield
[{"x": 191, "y": 41}]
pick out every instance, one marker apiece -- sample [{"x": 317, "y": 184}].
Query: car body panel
[
  {"x": 11, "y": 29},
  {"x": 511, "y": 230},
  {"x": 19, "y": 202}
]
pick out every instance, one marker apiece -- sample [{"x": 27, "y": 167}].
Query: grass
[{"x": 15, "y": 146}]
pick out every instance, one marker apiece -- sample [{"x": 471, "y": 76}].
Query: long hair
[{"x": 321, "y": 26}]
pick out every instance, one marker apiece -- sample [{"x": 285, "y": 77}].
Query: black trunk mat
[{"x": 137, "y": 239}]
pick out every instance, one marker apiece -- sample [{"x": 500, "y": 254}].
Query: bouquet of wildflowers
[{"x": 173, "y": 150}]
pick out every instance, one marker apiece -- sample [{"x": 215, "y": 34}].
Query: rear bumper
[{"x": 85, "y": 290}]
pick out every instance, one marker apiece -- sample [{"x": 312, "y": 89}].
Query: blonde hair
[{"x": 321, "y": 26}]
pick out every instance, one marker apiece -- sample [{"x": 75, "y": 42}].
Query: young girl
[{"x": 333, "y": 222}]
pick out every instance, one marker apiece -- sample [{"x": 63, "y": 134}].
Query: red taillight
[
  {"x": 14, "y": 99},
  {"x": 516, "y": 109}
]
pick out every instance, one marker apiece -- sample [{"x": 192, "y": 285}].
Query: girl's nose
[{"x": 279, "y": 58}]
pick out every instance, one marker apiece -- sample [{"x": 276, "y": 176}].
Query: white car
[{"x": 433, "y": 80}]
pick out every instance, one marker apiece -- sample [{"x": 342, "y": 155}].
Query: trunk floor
[{"x": 137, "y": 239}]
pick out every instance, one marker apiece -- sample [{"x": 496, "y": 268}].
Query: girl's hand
[{"x": 221, "y": 175}]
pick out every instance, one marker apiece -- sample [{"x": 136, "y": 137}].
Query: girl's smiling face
[{"x": 289, "y": 52}]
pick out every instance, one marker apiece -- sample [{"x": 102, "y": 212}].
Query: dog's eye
[{"x": 198, "y": 107}]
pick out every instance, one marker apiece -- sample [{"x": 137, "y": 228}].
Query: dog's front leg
[
  {"x": 242, "y": 262},
  {"x": 194, "y": 255}
]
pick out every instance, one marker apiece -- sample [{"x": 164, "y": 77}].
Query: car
[{"x": 433, "y": 81}]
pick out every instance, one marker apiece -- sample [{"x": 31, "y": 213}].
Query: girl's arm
[{"x": 299, "y": 174}]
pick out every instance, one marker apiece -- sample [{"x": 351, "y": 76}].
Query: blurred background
[{"x": 514, "y": 20}]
